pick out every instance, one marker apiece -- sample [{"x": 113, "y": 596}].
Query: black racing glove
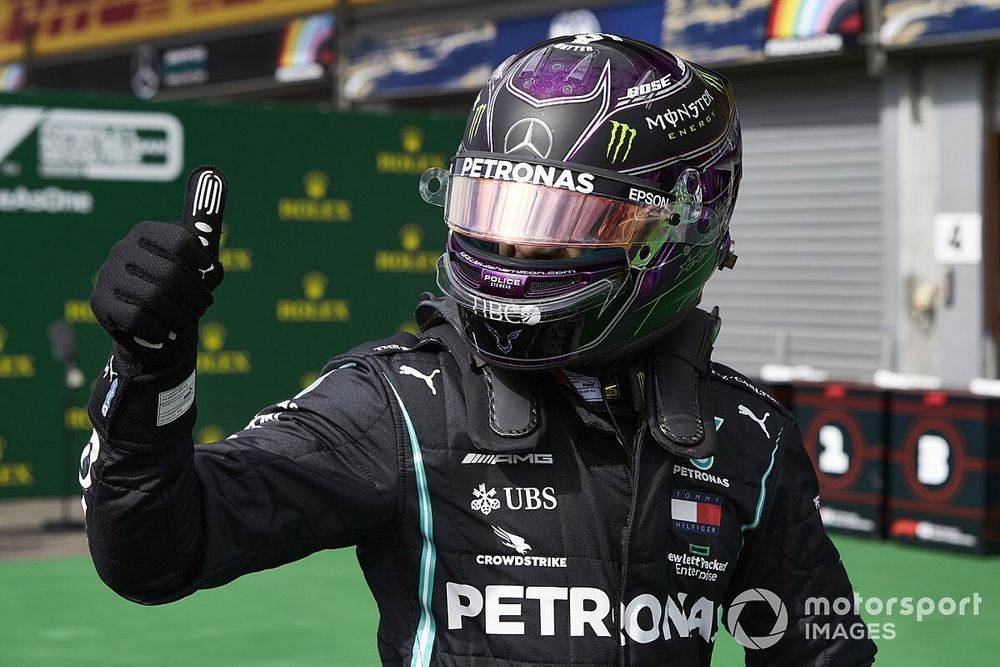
[{"x": 157, "y": 282}]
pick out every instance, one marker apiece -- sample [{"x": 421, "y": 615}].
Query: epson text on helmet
[
  {"x": 524, "y": 172},
  {"x": 648, "y": 198}
]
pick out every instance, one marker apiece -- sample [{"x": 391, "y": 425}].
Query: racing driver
[{"x": 554, "y": 471}]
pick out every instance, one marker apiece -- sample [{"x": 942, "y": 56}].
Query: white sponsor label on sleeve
[{"x": 175, "y": 402}]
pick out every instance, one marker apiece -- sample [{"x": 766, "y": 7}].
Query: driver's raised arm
[{"x": 166, "y": 517}]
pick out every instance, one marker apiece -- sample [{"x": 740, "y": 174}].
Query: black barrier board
[
  {"x": 844, "y": 430},
  {"x": 944, "y": 470}
]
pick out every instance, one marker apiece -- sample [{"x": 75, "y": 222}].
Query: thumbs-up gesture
[{"x": 157, "y": 282}]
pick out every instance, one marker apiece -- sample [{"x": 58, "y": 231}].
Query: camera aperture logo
[
  {"x": 757, "y": 596},
  {"x": 825, "y": 619}
]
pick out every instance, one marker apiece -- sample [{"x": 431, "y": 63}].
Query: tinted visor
[{"x": 525, "y": 213}]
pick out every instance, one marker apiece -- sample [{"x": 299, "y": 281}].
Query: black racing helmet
[{"x": 621, "y": 156}]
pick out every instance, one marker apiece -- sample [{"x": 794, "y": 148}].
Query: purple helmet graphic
[{"x": 618, "y": 163}]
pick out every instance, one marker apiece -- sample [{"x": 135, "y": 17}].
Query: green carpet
[{"x": 318, "y": 612}]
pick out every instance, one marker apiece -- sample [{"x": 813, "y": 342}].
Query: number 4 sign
[{"x": 958, "y": 238}]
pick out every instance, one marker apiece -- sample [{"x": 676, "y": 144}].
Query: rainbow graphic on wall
[
  {"x": 306, "y": 48},
  {"x": 791, "y": 19},
  {"x": 11, "y": 77}
]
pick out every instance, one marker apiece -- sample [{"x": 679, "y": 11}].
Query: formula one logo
[
  {"x": 530, "y": 135},
  {"x": 81, "y": 144},
  {"x": 620, "y": 133},
  {"x": 583, "y": 610}
]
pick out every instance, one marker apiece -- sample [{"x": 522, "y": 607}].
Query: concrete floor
[{"x": 25, "y": 536}]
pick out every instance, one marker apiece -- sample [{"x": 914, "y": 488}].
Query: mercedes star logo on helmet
[{"x": 529, "y": 134}]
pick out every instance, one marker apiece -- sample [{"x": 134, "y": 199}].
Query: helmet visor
[{"x": 530, "y": 214}]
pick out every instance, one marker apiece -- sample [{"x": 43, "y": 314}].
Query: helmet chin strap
[
  {"x": 678, "y": 392},
  {"x": 514, "y": 419},
  {"x": 678, "y": 396}
]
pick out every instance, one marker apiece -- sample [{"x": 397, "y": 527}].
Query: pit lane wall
[{"x": 327, "y": 243}]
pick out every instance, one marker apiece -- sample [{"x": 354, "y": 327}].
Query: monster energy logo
[
  {"x": 712, "y": 80},
  {"x": 477, "y": 118},
  {"x": 619, "y": 131}
]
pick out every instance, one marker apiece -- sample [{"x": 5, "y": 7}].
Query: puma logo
[
  {"x": 429, "y": 379},
  {"x": 205, "y": 271},
  {"x": 511, "y": 337},
  {"x": 744, "y": 410}
]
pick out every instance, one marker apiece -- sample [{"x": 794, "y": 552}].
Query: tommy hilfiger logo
[{"x": 696, "y": 512}]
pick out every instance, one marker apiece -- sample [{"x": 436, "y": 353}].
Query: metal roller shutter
[{"x": 808, "y": 228}]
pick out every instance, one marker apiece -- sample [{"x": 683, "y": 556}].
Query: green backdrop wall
[{"x": 327, "y": 244}]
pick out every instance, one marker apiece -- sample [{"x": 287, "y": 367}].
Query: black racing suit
[{"x": 596, "y": 548}]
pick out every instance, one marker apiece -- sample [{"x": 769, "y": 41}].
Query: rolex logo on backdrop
[
  {"x": 234, "y": 259},
  {"x": 214, "y": 359},
  {"x": 410, "y": 161},
  {"x": 315, "y": 307},
  {"x": 315, "y": 206},
  {"x": 14, "y": 366},
  {"x": 412, "y": 258},
  {"x": 14, "y": 474}
]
